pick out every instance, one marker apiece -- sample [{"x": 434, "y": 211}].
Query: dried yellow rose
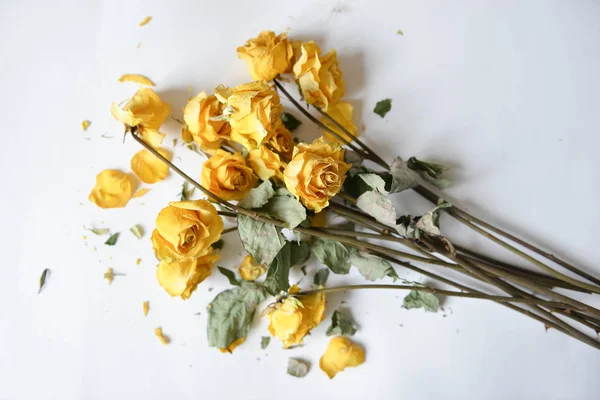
[
  {"x": 148, "y": 167},
  {"x": 316, "y": 173},
  {"x": 113, "y": 189},
  {"x": 267, "y": 55},
  {"x": 250, "y": 270},
  {"x": 135, "y": 78},
  {"x": 233, "y": 345},
  {"x": 185, "y": 230},
  {"x": 343, "y": 113},
  {"x": 293, "y": 319},
  {"x": 281, "y": 140},
  {"x": 227, "y": 175},
  {"x": 255, "y": 109},
  {"x": 319, "y": 77},
  {"x": 199, "y": 114},
  {"x": 181, "y": 278},
  {"x": 146, "y": 308},
  {"x": 341, "y": 353},
  {"x": 159, "y": 334},
  {"x": 145, "y": 112},
  {"x": 265, "y": 163}
]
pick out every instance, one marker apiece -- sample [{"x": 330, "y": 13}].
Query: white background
[{"x": 506, "y": 92}]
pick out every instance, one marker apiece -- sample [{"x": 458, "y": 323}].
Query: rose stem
[
  {"x": 232, "y": 229},
  {"x": 262, "y": 218},
  {"x": 455, "y": 211},
  {"x": 319, "y": 123},
  {"x": 500, "y": 299}
]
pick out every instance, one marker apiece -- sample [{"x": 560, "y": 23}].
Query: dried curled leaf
[
  {"x": 135, "y": 78},
  {"x": 297, "y": 368},
  {"x": 420, "y": 299},
  {"x": 112, "y": 240},
  {"x": 333, "y": 254},
  {"x": 290, "y": 122},
  {"x": 264, "y": 342},
  {"x": 341, "y": 324},
  {"x": 383, "y": 107},
  {"x": 43, "y": 277},
  {"x": 137, "y": 231}
]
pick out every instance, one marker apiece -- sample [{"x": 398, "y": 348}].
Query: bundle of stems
[{"x": 528, "y": 292}]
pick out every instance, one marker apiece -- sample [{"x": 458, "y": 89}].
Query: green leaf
[
  {"x": 279, "y": 271},
  {"x": 371, "y": 267},
  {"x": 383, "y": 107},
  {"x": 321, "y": 277},
  {"x": 264, "y": 342},
  {"x": 377, "y": 205},
  {"x": 418, "y": 299},
  {"x": 374, "y": 181},
  {"x": 263, "y": 241},
  {"x": 112, "y": 240},
  {"x": 258, "y": 196},
  {"x": 218, "y": 245},
  {"x": 290, "y": 122},
  {"x": 399, "y": 32},
  {"x": 231, "y": 313},
  {"x": 137, "y": 231},
  {"x": 402, "y": 177},
  {"x": 341, "y": 324},
  {"x": 99, "y": 231},
  {"x": 286, "y": 209},
  {"x": 297, "y": 368},
  {"x": 429, "y": 222},
  {"x": 230, "y": 275},
  {"x": 392, "y": 274},
  {"x": 45, "y": 274},
  {"x": 333, "y": 254}
]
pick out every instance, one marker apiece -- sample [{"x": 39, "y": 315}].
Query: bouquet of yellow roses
[{"x": 283, "y": 194}]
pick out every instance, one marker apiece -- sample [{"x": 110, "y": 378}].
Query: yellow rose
[
  {"x": 197, "y": 115},
  {"x": 255, "y": 110},
  {"x": 341, "y": 353},
  {"x": 293, "y": 319},
  {"x": 267, "y": 55},
  {"x": 281, "y": 140},
  {"x": 250, "y": 270},
  {"x": 113, "y": 189},
  {"x": 185, "y": 230},
  {"x": 316, "y": 173},
  {"x": 343, "y": 113},
  {"x": 145, "y": 112},
  {"x": 266, "y": 163},
  {"x": 319, "y": 77},
  {"x": 227, "y": 175},
  {"x": 181, "y": 277}
]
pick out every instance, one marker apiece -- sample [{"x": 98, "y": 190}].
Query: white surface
[{"x": 504, "y": 91}]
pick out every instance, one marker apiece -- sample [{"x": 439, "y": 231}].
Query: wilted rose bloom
[
  {"x": 267, "y": 55},
  {"x": 113, "y": 189},
  {"x": 319, "y": 76},
  {"x": 185, "y": 230},
  {"x": 281, "y": 140},
  {"x": 343, "y": 114},
  {"x": 199, "y": 114},
  {"x": 294, "y": 318},
  {"x": 341, "y": 353},
  {"x": 227, "y": 175},
  {"x": 181, "y": 277},
  {"x": 145, "y": 112},
  {"x": 255, "y": 110},
  {"x": 316, "y": 173}
]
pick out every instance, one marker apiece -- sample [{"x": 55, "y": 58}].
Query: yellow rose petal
[
  {"x": 138, "y": 261},
  {"x": 113, "y": 189},
  {"x": 146, "y": 308},
  {"x": 135, "y": 78},
  {"x": 141, "y": 192},
  {"x": 159, "y": 334},
  {"x": 148, "y": 167},
  {"x": 109, "y": 275},
  {"x": 340, "y": 354},
  {"x": 145, "y": 21},
  {"x": 144, "y": 110},
  {"x": 85, "y": 124},
  {"x": 343, "y": 114},
  {"x": 181, "y": 278},
  {"x": 232, "y": 346},
  {"x": 250, "y": 270},
  {"x": 294, "y": 289}
]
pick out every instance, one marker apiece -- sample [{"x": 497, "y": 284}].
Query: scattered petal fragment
[
  {"x": 135, "y": 78},
  {"x": 113, "y": 189},
  {"x": 145, "y": 21},
  {"x": 148, "y": 167},
  {"x": 232, "y": 346},
  {"x": 109, "y": 275},
  {"x": 146, "y": 307},
  {"x": 159, "y": 334},
  {"x": 85, "y": 124},
  {"x": 141, "y": 192},
  {"x": 341, "y": 353}
]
